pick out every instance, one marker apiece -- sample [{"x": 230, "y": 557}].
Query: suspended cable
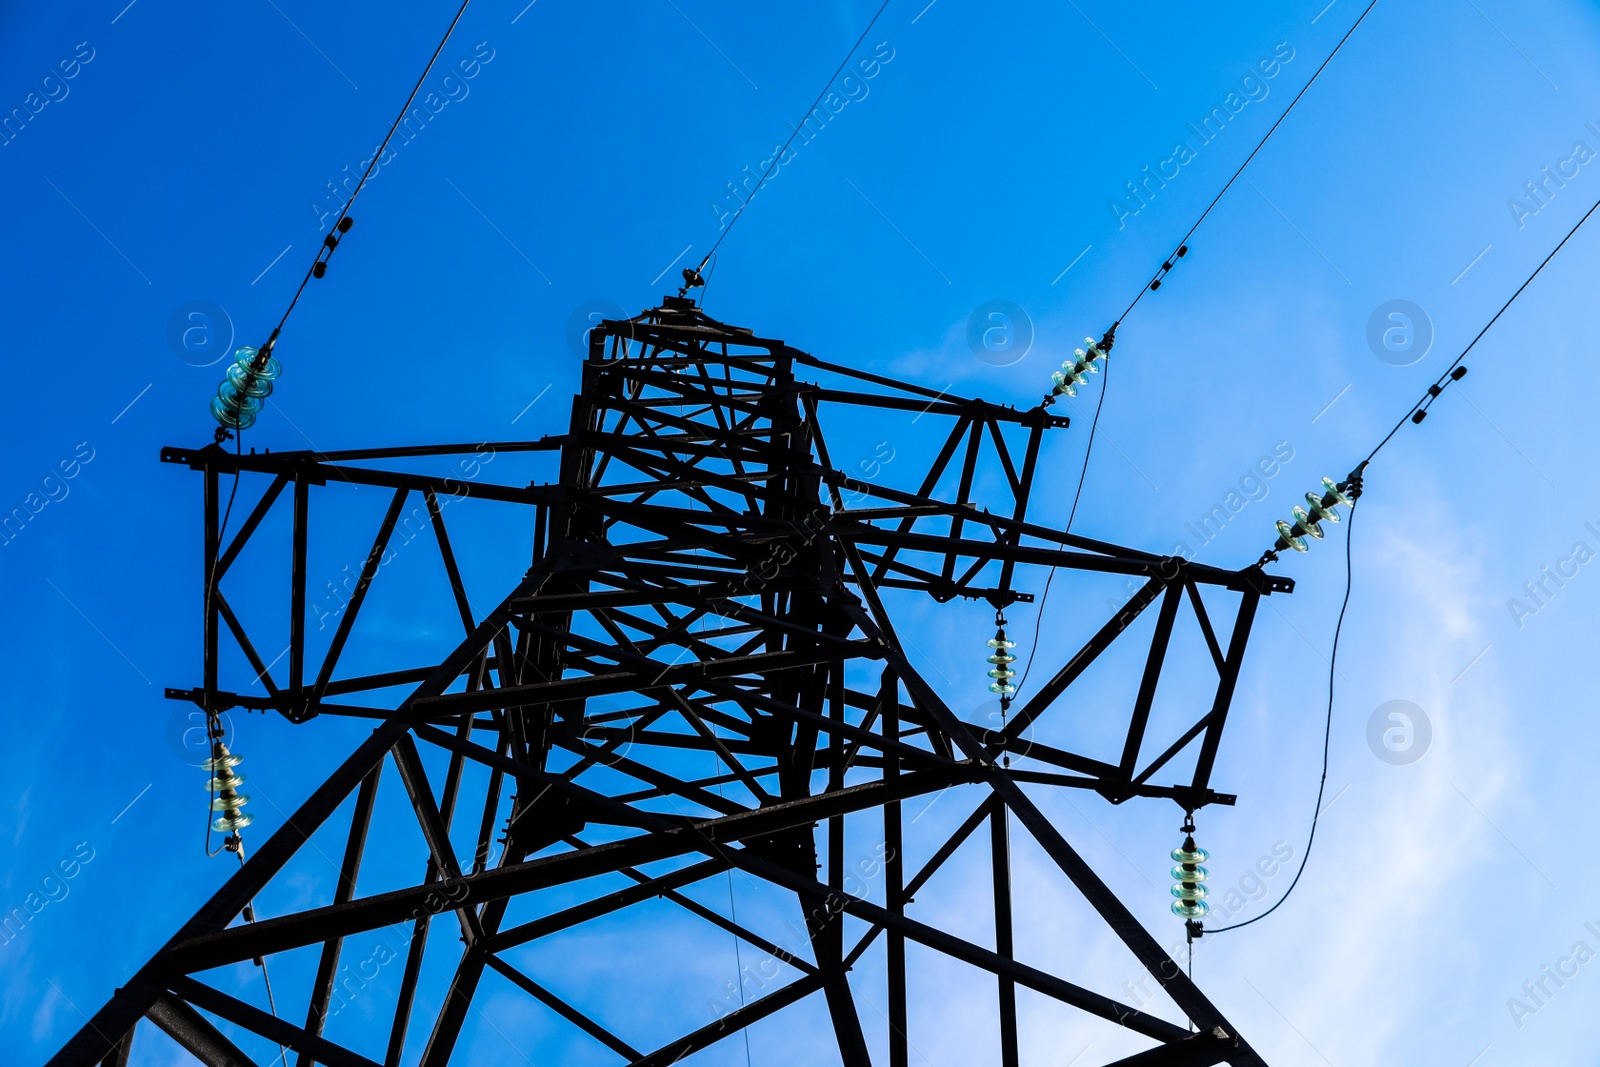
[
  {"x": 1290, "y": 536},
  {"x": 1074, "y": 372},
  {"x": 1182, "y": 249},
  {"x": 272, "y": 1003},
  {"x": 249, "y": 381},
  {"x": 1455, "y": 371},
  {"x": 692, "y": 278},
  {"x": 1327, "y": 736},
  {"x": 1038, "y": 619},
  {"x": 1154, "y": 284}
]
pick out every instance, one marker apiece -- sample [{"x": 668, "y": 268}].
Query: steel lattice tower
[{"x": 706, "y": 584}]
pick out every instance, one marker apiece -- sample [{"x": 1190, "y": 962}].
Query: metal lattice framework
[{"x": 707, "y": 585}]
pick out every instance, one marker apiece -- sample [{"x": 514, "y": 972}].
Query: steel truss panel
[{"x": 707, "y": 580}]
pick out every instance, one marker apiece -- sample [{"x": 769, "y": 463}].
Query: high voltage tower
[{"x": 699, "y": 674}]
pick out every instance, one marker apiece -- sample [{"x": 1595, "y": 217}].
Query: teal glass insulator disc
[
  {"x": 247, "y": 383},
  {"x": 232, "y": 821},
  {"x": 1286, "y": 532},
  {"x": 1319, "y": 511},
  {"x": 247, "y": 357},
  {"x": 1196, "y": 910},
  {"x": 1306, "y": 522},
  {"x": 230, "y": 395},
  {"x": 231, "y": 417},
  {"x": 1190, "y": 855},
  {"x": 1195, "y": 873}
]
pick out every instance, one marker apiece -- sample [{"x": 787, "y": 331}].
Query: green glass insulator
[
  {"x": 1306, "y": 522},
  {"x": 232, "y": 822},
  {"x": 1287, "y": 535}
]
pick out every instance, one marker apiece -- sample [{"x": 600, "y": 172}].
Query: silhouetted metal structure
[{"x": 705, "y": 579}]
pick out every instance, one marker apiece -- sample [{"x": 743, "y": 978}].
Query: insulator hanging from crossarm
[
  {"x": 1002, "y": 660},
  {"x": 1189, "y": 889},
  {"x": 224, "y": 783}
]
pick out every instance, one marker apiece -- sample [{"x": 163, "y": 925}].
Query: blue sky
[{"x": 185, "y": 158}]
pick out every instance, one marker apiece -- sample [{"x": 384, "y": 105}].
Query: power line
[
  {"x": 1155, "y": 283},
  {"x": 1455, "y": 372},
  {"x": 1083, "y": 472},
  {"x": 341, "y": 224},
  {"x": 1451, "y": 374},
  {"x": 796, "y": 132},
  {"x": 1418, "y": 411},
  {"x": 1327, "y": 735},
  {"x": 1182, "y": 249},
  {"x": 249, "y": 383}
]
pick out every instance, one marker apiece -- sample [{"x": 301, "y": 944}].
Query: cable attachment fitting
[
  {"x": 692, "y": 279},
  {"x": 1155, "y": 283},
  {"x": 1352, "y": 484},
  {"x": 329, "y": 243},
  {"x": 1433, "y": 393}
]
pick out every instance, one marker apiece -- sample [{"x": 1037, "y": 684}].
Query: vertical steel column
[
  {"x": 894, "y": 877},
  {"x": 297, "y": 598},
  {"x": 211, "y": 550},
  {"x": 1000, "y": 854}
]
